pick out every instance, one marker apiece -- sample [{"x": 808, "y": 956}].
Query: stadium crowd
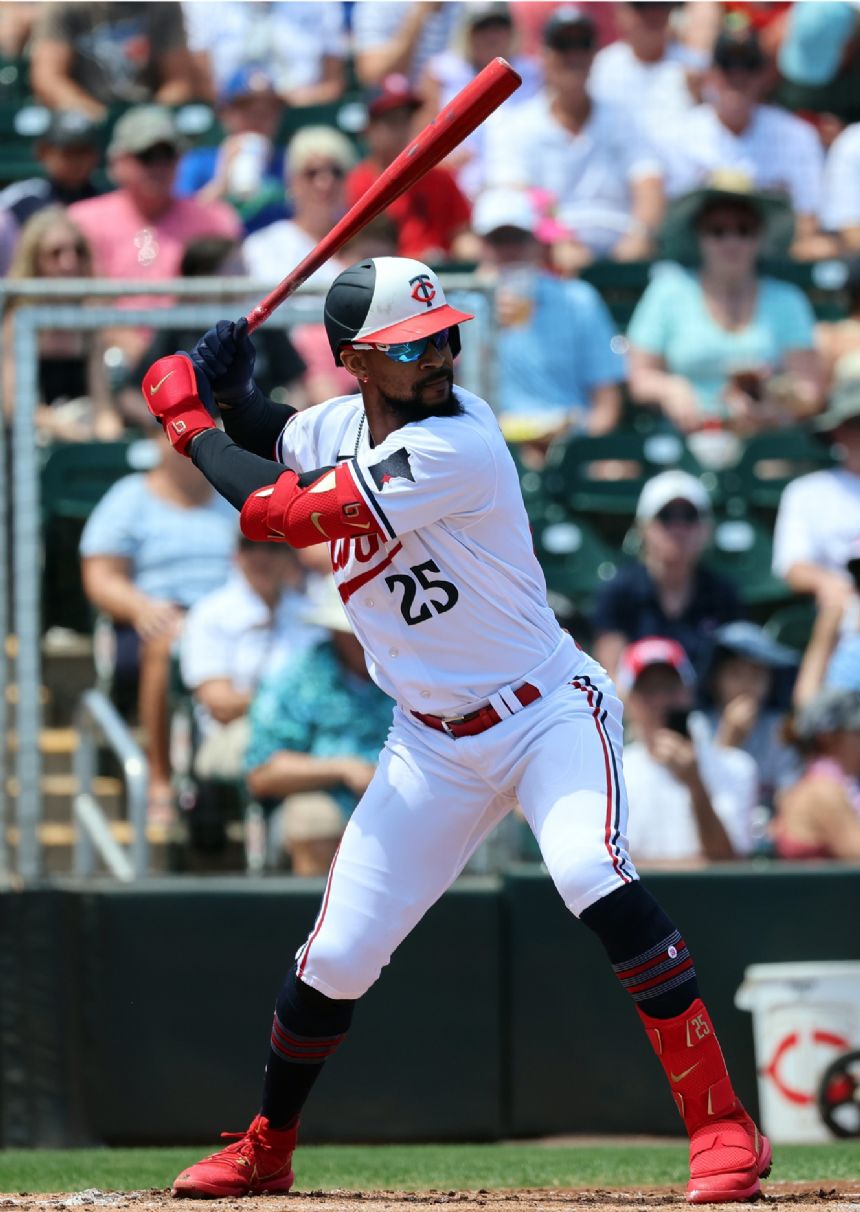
[{"x": 654, "y": 215}]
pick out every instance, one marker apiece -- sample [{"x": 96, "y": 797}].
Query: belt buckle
[{"x": 454, "y": 719}]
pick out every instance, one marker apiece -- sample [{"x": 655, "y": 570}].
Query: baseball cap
[
  {"x": 496, "y": 208},
  {"x": 141, "y": 128},
  {"x": 738, "y": 47},
  {"x": 247, "y": 80},
  {"x": 569, "y": 28},
  {"x": 815, "y": 39},
  {"x": 653, "y": 650},
  {"x": 671, "y": 486},
  {"x": 387, "y": 300},
  {"x": 394, "y": 92},
  {"x": 68, "y": 128}
]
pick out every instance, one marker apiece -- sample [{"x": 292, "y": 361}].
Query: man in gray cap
[
  {"x": 819, "y": 514},
  {"x": 140, "y": 230},
  {"x": 68, "y": 152}
]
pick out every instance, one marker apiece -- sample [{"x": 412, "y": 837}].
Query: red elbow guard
[{"x": 329, "y": 508}]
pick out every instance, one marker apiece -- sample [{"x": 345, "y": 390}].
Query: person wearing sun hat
[
  {"x": 690, "y": 799},
  {"x": 747, "y": 687},
  {"x": 666, "y": 591},
  {"x": 720, "y": 341}
]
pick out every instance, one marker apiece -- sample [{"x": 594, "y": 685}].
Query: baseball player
[{"x": 410, "y": 483}]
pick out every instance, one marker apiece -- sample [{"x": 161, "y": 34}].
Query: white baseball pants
[{"x": 434, "y": 799}]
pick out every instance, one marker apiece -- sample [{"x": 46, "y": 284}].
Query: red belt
[{"x": 476, "y": 721}]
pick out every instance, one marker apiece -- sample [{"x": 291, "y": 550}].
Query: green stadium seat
[
  {"x": 74, "y": 478},
  {"x": 605, "y": 474},
  {"x": 741, "y": 550},
  {"x": 574, "y": 558},
  {"x": 792, "y": 624},
  {"x": 768, "y": 462}
]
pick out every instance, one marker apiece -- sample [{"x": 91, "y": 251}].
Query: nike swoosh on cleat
[{"x": 157, "y": 386}]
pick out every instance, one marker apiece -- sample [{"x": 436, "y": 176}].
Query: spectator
[
  {"x": 666, "y": 591},
  {"x": 486, "y": 31},
  {"x": 832, "y": 656},
  {"x": 318, "y": 727},
  {"x": 302, "y": 43},
  {"x": 155, "y": 544},
  {"x": 86, "y": 57},
  {"x": 318, "y": 160},
  {"x": 235, "y": 636},
  {"x": 432, "y": 216},
  {"x": 690, "y": 799},
  {"x": 647, "y": 71},
  {"x": 734, "y": 131},
  {"x": 589, "y": 157},
  {"x": 840, "y": 205},
  {"x": 278, "y": 368},
  {"x": 723, "y": 342},
  {"x": 139, "y": 230},
  {"x": 556, "y": 366},
  {"x": 247, "y": 168},
  {"x": 838, "y": 342},
  {"x": 68, "y": 152},
  {"x": 744, "y": 712},
  {"x": 819, "y": 817},
  {"x": 400, "y": 36},
  {"x": 75, "y": 402},
  {"x": 819, "y": 514},
  {"x": 8, "y": 240}
]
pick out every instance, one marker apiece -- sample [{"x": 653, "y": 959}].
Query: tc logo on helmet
[{"x": 423, "y": 290}]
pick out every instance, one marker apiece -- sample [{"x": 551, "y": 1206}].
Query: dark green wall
[{"x": 141, "y": 1015}]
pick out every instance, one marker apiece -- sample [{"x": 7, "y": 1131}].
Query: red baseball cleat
[
  {"x": 727, "y": 1159},
  {"x": 259, "y": 1163}
]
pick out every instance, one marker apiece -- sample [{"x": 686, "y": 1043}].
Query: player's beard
[{"x": 414, "y": 408}]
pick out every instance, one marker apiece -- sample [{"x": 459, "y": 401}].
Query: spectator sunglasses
[{"x": 408, "y": 351}]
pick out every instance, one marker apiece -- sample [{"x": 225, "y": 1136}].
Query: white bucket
[{"x": 804, "y": 1016}]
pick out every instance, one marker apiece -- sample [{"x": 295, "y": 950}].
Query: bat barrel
[{"x": 463, "y": 114}]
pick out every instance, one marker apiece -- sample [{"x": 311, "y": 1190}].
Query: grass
[{"x": 418, "y": 1167}]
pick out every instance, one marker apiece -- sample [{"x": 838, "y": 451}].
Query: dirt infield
[{"x": 798, "y": 1197}]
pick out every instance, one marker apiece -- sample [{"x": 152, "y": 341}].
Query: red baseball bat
[{"x": 450, "y": 127}]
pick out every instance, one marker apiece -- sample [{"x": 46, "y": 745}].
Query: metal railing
[
  {"x": 97, "y": 719},
  {"x": 34, "y": 312}
]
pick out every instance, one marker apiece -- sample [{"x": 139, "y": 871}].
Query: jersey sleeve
[{"x": 420, "y": 475}]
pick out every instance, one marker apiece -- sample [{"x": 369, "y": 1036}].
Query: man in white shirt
[
  {"x": 732, "y": 131},
  {"x": 819, "y": 514},
  {"x": 690, "y": 799},
  {"x": 589, "y": 157},
  {"x": 400, "y": 36},
  {"x": 234, "y": 637},
  {"x": 645, "y": 70}
]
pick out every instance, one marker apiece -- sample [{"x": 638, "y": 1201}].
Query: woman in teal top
[{"x": 723, "y": 342}]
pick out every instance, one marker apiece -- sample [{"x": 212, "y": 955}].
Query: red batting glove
[{"x": 172, "y": 394}]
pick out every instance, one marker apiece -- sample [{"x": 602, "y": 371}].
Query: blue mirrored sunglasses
[{"x": 408, "y": 351}]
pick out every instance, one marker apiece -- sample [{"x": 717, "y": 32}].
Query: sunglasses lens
[
  {"x": 684, "y": 514},
  {"x": 411, "y": 351}
]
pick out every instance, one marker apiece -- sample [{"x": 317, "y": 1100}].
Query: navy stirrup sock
[
  {"x": 307, "y": 1028},
  {"x": 647, "y": 952}
]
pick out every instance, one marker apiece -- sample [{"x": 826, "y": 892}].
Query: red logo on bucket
[
  {"x": 423, "y": 290},
  {"x": 799, "y": 1097}
]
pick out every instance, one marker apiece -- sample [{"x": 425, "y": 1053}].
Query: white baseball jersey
[{"x": 450, "y": 606}]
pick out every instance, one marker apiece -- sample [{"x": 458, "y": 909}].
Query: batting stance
[{"x": 412, "y": 486}]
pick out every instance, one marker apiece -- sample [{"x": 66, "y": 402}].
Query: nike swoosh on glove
[
  {"x": 175, "y": 392},
  {"x": 226, "y": 355}
]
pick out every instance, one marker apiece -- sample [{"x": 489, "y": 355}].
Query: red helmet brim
[{"x": 423, "y": 325}]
